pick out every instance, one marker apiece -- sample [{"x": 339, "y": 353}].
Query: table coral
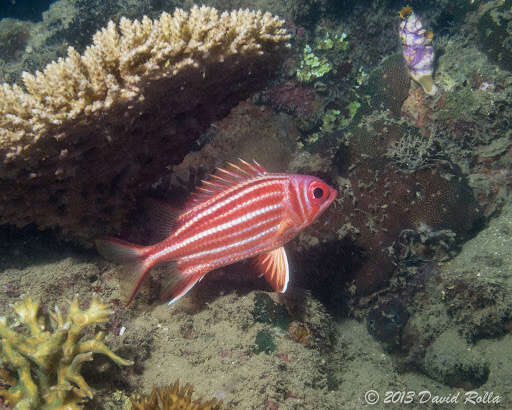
[
  {"x": 48, "y": 359},
  {"x": 92, "y": 131}
]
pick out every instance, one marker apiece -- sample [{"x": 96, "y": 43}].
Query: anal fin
[
  {"x": 131, "y": 274},
  {"x": 274, "y": 266},
  {"x": 176, "y": 283}
]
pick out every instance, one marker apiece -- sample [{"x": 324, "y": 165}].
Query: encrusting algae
[
  {"x": 45, "y": 362},
  {"x": 173, "y": 398}
]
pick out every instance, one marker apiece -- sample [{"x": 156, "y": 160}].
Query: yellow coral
[
  {"x": 172, "y": 398},
  {"x": 48, "y": 360},
  {"x": 92, "y": 130}
]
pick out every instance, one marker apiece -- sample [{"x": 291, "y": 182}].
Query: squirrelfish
[{"x": 238, "y": 213}]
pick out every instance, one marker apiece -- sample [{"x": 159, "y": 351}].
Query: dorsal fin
[
  {"x": 224, "y": 178},
  {"x": 160, "y": 218}
]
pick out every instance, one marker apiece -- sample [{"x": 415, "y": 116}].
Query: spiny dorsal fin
[{"x": 224, "y": 178}]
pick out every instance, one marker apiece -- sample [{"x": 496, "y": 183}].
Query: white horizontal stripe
[
  {"x": 236, "y": 256},
  {"x": 251, "y": 227},
  {"x": 271, "y": 179},
  {"x": 245, "y": 218},
  {"x": 232, "y": 245},
  {"x": 249, "y": 202},
  {"x": 241, "y": 232},
  {"x": 216, "y": 229}
]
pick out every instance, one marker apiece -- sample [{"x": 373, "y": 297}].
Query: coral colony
[
  {"x": 417, "y": 50},
  {"x": 75, "y": 111},
  {"x": 45, "y": 361},
  {"x": 172, "y": 397}
]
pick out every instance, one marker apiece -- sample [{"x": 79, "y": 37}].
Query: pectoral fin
[{"x": 274, "y": 266}]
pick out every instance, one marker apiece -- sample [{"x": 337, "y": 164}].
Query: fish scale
[{"x": 239, "y": 213}]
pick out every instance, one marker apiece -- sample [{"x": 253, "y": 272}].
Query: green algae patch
[
  {"x": 264, "y": 342},
  {"x": 269, "y": 312}
]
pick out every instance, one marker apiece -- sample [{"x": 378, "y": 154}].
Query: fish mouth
[{"x": 333, "y": 193}]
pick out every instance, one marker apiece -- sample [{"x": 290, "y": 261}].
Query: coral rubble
[
  {"x": 93, "y": 130},
  {"x": 48, "y": 359},
  {"x": 172, "y": 398}
]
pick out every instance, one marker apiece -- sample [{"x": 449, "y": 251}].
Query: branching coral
[
  {"x": 48, "y": 359},
  {"x": 172, "y": 398},
  {"x": 93, "y": 130},
  {"x": 413, "y": 151}
]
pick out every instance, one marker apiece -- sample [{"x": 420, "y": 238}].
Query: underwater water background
[{"x": 400, "y": 293}]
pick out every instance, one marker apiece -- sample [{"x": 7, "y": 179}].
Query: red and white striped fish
[{"x": 240, "y": 212}]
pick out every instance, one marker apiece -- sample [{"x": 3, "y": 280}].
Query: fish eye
[{"x": 318, "y": 192}]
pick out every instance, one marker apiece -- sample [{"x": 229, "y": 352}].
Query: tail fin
[
  {"x": 133, "y": 256},
  {"x": 116, "y": 250}
]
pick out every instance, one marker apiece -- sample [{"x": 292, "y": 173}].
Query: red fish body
[{"x": 240, "y": 213}]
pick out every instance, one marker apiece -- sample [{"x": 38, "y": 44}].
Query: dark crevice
[{"x": 24, "y": 9}]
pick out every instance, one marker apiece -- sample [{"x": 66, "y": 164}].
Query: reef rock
[
  {"x": 393, "y": 193},
  {"x": 451, "y": 361},
  {"x": 495, "y": 28}
]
